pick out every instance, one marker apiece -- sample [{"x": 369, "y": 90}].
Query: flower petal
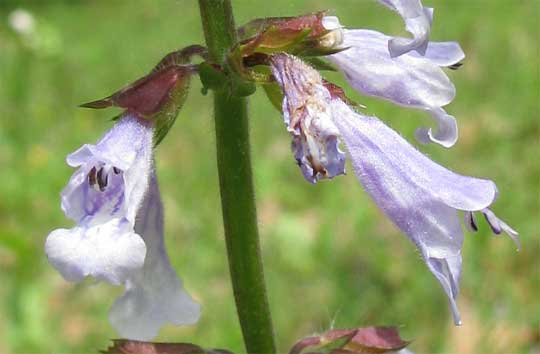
[
  {"x": 407, "y": 80},
  {"x": 447, "y": 130},
  {"x": 417, "y": 21},
  {"x": 402, "y": 351},
  {"x": 109, "y": 252},
  {"x": 154, "y": 295},
  {"x": 448, "y": 272},
  {"x": 367, "y": 137},
  {"x": 119, "y": 146},
  {"x": 85, "y": 205},
  {"x": 442, "y": 53},
  {"x": 331, "y": 23}
]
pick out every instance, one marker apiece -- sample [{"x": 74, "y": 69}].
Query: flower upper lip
[
  {"x": 410, "y": 79},
  {"x": 417, "y": 21}
]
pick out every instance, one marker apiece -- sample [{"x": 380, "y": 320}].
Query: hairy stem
[{"x": 236, "y": 186}]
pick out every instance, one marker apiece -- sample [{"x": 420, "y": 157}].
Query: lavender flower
[
  {"x": 103, "y": 197},
  {"x": 421, "y": 197},
  {"x": 407, "y": 73},
  {"x": 118, "y": 238}
]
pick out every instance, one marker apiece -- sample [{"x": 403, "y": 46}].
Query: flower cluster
[{"x": 113, "y": 196}]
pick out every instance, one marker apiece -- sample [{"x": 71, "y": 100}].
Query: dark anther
[
  {"x": 493, "y": 222},
  {"x": 495, "y": 228},
  {"x": 102, "y": 179},
  {"x": 471, "y": 221},
  {"x": 455, "y": 66},
  {"x": 116, "y": 170},
  {"x": 92, "y": 177}
]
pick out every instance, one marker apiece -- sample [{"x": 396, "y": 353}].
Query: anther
[
  {"x": 470, "y": 221},
  {"x": 92, "y": 177},
  {"x": 493, "y": 221},
  {"x": 455, "y": 66},
  {"x": 102, "y": 179}
]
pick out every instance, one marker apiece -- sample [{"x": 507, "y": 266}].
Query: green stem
[{"x": 236, "y": 186}]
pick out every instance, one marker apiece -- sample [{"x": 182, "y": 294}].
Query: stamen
[
  {"x": 470, "y": 221},
  {"x": 116, "y": 170},
  {"x": 92, "y": 179},
  {"x": 102, "y": 179},
  {"x": 498, "y": 226},
  {"x": 455, "y": 66},
  {"x": 493, "y": 221},
  {"x": 512, "y": 233}
]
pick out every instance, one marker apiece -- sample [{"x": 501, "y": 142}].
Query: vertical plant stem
[{"x": 236, "y": 186}]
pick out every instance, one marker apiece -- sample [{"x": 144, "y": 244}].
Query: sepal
[
  {"x": 274, "y": 94},
  {"x": 182, "y": 56},
  {"x": 352, "y": 341},
  {"x": 148, "y": 95},
  {"x": 275, "y": 34},
  {"x": 303, "y": 36},
  {"x": 160, "y": 95},
  {"x": 126, "y": 346}
]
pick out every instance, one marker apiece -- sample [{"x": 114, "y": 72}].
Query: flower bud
[{"x": 304, "y": 35}]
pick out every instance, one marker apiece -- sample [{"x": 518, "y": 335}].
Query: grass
[{"x": 332, "y": 259}]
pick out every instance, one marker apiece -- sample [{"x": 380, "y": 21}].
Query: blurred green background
[{"x": 332, "y": 259}]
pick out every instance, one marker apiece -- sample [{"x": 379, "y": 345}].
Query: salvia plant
[{"x": 114, "y": 199}]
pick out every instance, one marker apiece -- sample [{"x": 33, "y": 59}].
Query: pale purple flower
[
  {"x": 408, "y": 79},
  {"x": 118, "y": 236},
  {"x": 103, "y": 197},
  {"x": 421, "y": 197}
]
